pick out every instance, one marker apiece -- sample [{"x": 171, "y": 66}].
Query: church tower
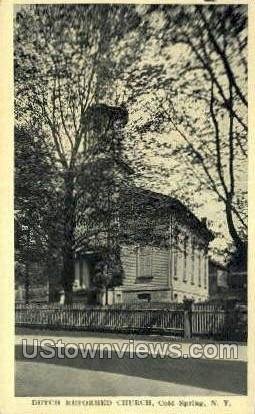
[
  {"x": 102, "y": 179},
  {"x": 105, "y": 174}
]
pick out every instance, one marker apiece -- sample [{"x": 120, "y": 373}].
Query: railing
[
  {"x": 227, "y": 321},
  {"x": 184, "y": 320},
  {"x": 207, "y": 319},
  {"x": 101, "y": 318}
]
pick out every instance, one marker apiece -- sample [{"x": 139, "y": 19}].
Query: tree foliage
[{"x": 201, "y": 103}]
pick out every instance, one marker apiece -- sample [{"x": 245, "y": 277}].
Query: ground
[{"x": 127, "y": 376}]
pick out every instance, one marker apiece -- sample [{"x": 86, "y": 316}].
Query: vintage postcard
[{"x": 127, "y": 265}]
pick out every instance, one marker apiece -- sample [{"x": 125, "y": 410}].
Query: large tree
[
  {"x": 201, "y": 103},
  {"x": 67, "y": 59},
  {"x": 38, "y": 224}
]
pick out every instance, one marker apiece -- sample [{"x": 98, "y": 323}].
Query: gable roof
[{"x": 158, "y": 202}]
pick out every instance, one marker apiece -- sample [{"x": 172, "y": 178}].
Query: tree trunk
[
  {"x": 68, "y": 274},
  {"x": 231, "y": 226},
  {"x": 241, "y": 246},
  {"x": 27, "y": 284},
  {"x": 27, "y": 276}
]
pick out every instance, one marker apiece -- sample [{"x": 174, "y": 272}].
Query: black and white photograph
[{"x": 130, "y": 202}]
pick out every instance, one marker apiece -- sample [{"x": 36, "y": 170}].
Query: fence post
[
  {"x": 231, "y": 319},
  {"x": 187, "y": 306}
]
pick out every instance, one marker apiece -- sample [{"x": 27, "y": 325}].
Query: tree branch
[
  {"x": 217, "y": 142},
  {"x": 222, "y": 55}
]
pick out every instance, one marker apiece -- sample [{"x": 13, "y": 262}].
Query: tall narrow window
[
  {"x": 192, "y": 262},
  {"x": 205, "y": 270},
  {"x": 175, "y": 253},
  {"x": 199, "y": 267},
  {"x": 144, "y": 264},
  {"x": 185, "y": 254}
]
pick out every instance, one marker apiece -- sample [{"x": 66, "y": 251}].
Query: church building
[{"x": 161, "y": 245}]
